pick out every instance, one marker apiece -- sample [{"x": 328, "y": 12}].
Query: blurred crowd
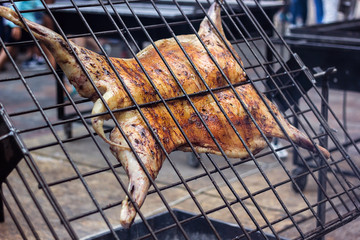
[
  {"x": 297, "y": 11},
  {"x": 12, "y": 33},
  {"x": 32, "y": 59},
  {"x": 9, "y": 32},
  {"x": 295, "y": 14}
]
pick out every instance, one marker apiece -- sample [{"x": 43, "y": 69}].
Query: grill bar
[
  {"x": 219, "y": 103},
  {"x": 266, "y": 179},
  {"x": 253, "y": 20},
  {"x": 36, "y": 202},
  {"x": 324, "y": 142},
  {"x": 242, "y": 199},
  {"x": 142, "y": 115},
  {"x": 220, "y": 107},
  {"x": 248, "y": 37},
  {"x": 175, "y": 78},
  {"x": 171, "y": 113},
  {"x": 326, "y": 179},
  {"x": 122, "y": 185},
  {"x": 329, "y": 108},
  {"x": 2, "y": 214},
  {"x": 51, "y": 199},
  {"x": 338, "y": 169},
  {"x": 13, "y": 216},
  {"x": 21, "y": 208},
  {"x": 275, "y": 53},
  {"x": 294, "y": 113},
  {"x": 314, "y": 169},
  {"x": 52, "y": 129},
  {"x": 176, "y": 123}
]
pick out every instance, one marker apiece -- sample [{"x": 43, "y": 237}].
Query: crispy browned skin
[
  {"x": 132, "y": 75},
  {"x": 134, "y": 127},
  {"x": 171, "y": 138}
]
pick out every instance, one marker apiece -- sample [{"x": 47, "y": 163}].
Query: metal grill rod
[
  {"x": 248, "y": 44},
  {"x": 304, "y": 219},
  {"x": 267, "y": 180},
  {"x": 166, "y": 106},
  {"x": 169, "y": 109},
  {"x": 248, "y": 36},
  {"x": 192, "y": 64},
  {"x": 333, "y": 114},
  {"x": 36, "y": 202},
  {"x": 269, "y": 44},
  {"x": 352, "y": 213},
  {"x": 132, "y": 107},
  {"x": 332, "y": 225},
  {"x": 273, "y": 222},
  {"x": 315, "y": 169},
  {"x": 2, "y": 214},
  {"x": 47, "y": 192},
  {"x": 334, "y": 172},
  {"x": 145, "y": 120},
  {"x": 268, "y": 74},
  {"x": 12, "y": 215},
  {"x": 219, "y": 105},
  {"x": 255, "y": 123},
  {"x": 108, "y": 162},
  {"x": 341, "y": 172},
  {"x": 324, "y": 142},
  {"x": 265, "y": 37},
  {"x": 204, "y": 82},
  {"x": 318, "y": 164},
  {"x": 232, "y": 12},
  {"x": 324, "y": 178},
  {"x": 290, "y": 96},
  {"x": 50, "y": 126},
  {"x": 88, "y": 135},
  {"x": 21, "y": 208},
  {"x": 354, "y": 187},
  {"x": 46, "y": 119},
  {"x": 277, "y": 185}
]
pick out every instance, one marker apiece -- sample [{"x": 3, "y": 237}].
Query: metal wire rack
[{"x": 58, "y": 184}]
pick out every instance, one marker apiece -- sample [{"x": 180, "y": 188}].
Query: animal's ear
[{"x": 214, "y": 14}]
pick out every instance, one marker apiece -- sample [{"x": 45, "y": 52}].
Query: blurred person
[
  {"x": 13, "y": 33},
  {"x": 299, "y": 10},
  {"x": 2, "y": 26},
  {"x": 319, "y": 10},
  {"x": 330, "y": 10}
]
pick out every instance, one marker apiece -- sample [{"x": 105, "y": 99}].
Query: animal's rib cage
[{"x": 58, "y": 184}]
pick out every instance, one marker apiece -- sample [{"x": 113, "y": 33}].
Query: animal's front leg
[
  {"x": 149, "y": 153},
  {"x": 98, "y": 121}
]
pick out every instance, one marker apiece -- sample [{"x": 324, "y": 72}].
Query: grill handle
[
  {"x": 11, "y": 147},
  {"x": 11, "y": 152}
]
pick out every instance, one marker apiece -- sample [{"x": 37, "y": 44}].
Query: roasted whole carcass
[{"x": 133, "y": 125}]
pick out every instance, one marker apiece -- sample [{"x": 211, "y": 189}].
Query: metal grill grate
[{"x": 68, "y": 185}]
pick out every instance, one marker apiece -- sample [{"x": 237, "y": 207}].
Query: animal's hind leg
[{"x": 149, "y": 153}]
